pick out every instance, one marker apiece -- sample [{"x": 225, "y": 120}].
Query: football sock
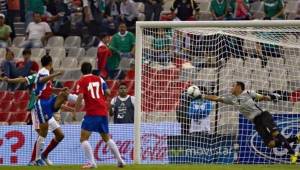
[
  {"x": 33, "y": 152},
  {"x": 114, "y": 149},
  {"x": 87, "y": 148},
  {"x": 39, "y": 147},
  {"x": 50, "y": 147}
]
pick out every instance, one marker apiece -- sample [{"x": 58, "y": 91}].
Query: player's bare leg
[
  {"x": 87, "y": 148},
  {"x": 59, "y": 136},
  {"x": 41, "y": 142},
  {"x": 114, "y": 149}
]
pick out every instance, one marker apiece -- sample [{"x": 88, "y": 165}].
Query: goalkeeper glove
[{"x": 275, "y": 97}]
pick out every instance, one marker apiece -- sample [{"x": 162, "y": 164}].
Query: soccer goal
[{"x": 171, "y": 56}]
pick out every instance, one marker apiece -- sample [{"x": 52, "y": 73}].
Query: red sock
[
  {"x": 33, "y": 152},
  {"x": 50, "y": 147}
]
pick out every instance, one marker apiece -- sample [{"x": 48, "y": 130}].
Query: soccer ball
[{"x": 193, "y": 91}]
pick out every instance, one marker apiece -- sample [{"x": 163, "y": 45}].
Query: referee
[{"x": 263, "y": 120}]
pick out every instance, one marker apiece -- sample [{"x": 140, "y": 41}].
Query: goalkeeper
[{"x": 263, "y": 120}]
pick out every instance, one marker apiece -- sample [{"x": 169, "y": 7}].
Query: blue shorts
[
  {"x": 95, "y": 124},
  {"x": 45, "y": 108}
]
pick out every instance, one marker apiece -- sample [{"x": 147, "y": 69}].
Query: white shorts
[{"x": 53, "y": 124}]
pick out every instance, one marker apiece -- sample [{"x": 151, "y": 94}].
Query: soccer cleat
[
  {"x": 31, "y": 163},
  {"x": 121, "y": 164},
  {"x": 89, "y": 166},
  {"x": 47, "y": 161},
  {"x": 294, "y": 158},
  {"x": 40, "y": 162}
]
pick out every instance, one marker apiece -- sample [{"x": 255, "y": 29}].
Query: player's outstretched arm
[
  {"x": 263, "y": 98},
  {"x": 51, "y": 77},
  {"x": 15, "y": 80},
  {"x": 213, "y": 98}
]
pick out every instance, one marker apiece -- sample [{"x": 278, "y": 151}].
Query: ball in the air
[{"x": 193, "y": 91}]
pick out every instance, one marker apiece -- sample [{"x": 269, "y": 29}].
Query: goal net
[{"x": 172, "y": 56}]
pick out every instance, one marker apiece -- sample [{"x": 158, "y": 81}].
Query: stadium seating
[
  {"x": 234, "y": 63},
  {"x": 38, "y": 52},
  {"x": 8, "y": 96},
  {"x": 91, "y": 60},
  {"x": 21, "y": 95},
  {"x": 207, "y": 74},
  {"x": 72, "y": 42},
  {"x": 2, "y": 94},
  {"x": 19, "y": 106},
  {"x": 18, "y": 40},
  {"x": 56, "y": 62},
  {"x": 130, "y": 75},
  {"x": 57, "y": 52},
  {"x": 278, "y": 80},
  {"x": 253, "y": 63},
  {"x": 55, "y": 41},
  {"x": 4, "y": 116},
  {"x": 126, "y": 63},
  {"x": 69, "y": 63},
  {"x": 5, "y": 105},
  {"x": 91, "y": 52},
  {"x": 76, "y": 52},
  {"x": 18, "y": 117}
]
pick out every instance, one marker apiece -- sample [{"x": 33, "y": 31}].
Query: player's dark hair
[
  {"x": 86, "y": 68},
  {"x": 241, "y": 84},
  {"x": 46, "y": 60},
  {"x": 122, "y": 84},
  {"x": 26, "y": 51},
  {"x": 102, "y": 35}
]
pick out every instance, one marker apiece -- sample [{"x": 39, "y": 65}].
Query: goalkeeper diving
[{"x": 265, "y": 126}]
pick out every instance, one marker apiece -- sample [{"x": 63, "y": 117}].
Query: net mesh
[{"x": 266, "y": 59}]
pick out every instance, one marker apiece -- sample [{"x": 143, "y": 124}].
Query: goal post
[{"x": 170, "y": 56}]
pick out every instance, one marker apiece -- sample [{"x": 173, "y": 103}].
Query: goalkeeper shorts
[{"x": 265, "y": 126}]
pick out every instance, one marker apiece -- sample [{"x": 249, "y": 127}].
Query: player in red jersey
[{"x": 93, "y": 89}]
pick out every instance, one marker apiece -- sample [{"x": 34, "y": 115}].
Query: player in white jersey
[{"x": 244, "y": 100}]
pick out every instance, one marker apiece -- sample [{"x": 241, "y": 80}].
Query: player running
[
  {"x": 93, "y": 89},
  {"x": 263, "y": 120}
]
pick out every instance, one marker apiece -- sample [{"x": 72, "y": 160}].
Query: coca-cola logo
[
  {"x": 154, "y": 148},
  {"x": 288, "y": 128}
]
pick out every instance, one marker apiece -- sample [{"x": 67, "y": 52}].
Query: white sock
[
  {"x": 87, "y": 148},
  {"x": 72, "y": 98},
  {"x": 114, "y": 149},
  {"x": 40, "y": 142}
]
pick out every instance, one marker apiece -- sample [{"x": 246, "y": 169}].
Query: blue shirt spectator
[{"x": 199, "y": 112}]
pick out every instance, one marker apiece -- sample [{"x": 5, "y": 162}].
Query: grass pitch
[{"x": 162, "y": 167}]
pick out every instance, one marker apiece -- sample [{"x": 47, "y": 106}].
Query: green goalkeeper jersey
[{"x": 31, "y": 80}]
